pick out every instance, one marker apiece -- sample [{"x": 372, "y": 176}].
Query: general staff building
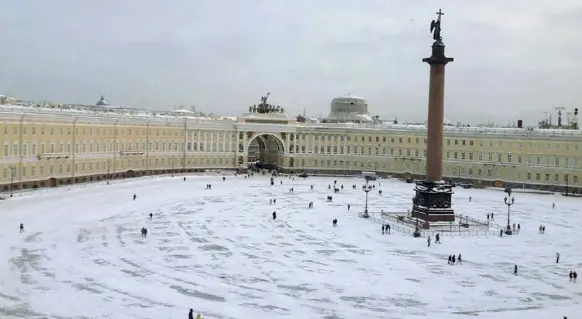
[{"x": 48, "y": 146}]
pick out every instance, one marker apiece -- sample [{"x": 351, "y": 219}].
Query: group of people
[
  {"x": 453, "y": 259},
  {"x": 573, "y": 276},
  {"x": 517, "y": 229},
  {"x": 437, "y": 239}
]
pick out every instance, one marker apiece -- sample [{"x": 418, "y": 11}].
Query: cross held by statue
[{"x": 440, "y": 13}]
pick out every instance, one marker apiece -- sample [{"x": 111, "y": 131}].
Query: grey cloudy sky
[{"x": 513, "y": 59}]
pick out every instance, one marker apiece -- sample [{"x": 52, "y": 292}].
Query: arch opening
[{"x": 265, "y": 151}]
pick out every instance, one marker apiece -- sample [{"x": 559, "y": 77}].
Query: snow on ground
[{"x": 218, "y": 251}]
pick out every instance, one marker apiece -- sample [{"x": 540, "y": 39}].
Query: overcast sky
[{"x": 513, "y": 59}]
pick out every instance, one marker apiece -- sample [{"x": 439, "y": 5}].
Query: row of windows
[
  {"x": 294, "y": 148},
  {"x": 519, "y": 145},
  {"x": 452, "y": 171},
  {"x": 111, "y": 147},
  {"x": 449, "y": 142},
  {"x": 112, "y": 130},
  {"x": 354, "y": 149},
  {"x": 107, "y": 165},
  {"x": 548, "y": 161},
  {"x": 94, "y": 131},
  {"x": 400, "y": 152},
  {"x": 517, "y": 175}
]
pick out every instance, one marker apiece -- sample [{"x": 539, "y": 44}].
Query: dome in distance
[
  {"x": 102, "y": 102},
  {"x": 349, "y": 108}
]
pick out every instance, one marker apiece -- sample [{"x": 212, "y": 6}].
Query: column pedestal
[{"x": 432, "y": 202}]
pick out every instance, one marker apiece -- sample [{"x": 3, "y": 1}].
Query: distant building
[
  {"x": 102, "y": 102},
  {"x": 349, "y": 109},
  {"x": 50, "y": 144}
]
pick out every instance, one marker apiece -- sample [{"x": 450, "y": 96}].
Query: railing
[
  {"x": 468, "y": 233},
  {"x": 401, "y": 228},
  {"x": 53, "y": 155},
  {"x": 454, "y": 229},
  {"x": 140, "y": 116},
  {"x": 472, "y": 220}
]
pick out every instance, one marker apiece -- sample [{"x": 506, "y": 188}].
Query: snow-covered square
[{"x": 220, "y": 252}]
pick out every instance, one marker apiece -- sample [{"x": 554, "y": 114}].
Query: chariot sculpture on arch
[{"x": 265, "y": 107}]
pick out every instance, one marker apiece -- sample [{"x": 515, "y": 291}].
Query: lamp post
[
  {"x": 12, "y": 168},
  {"x": 508, "y": 201},
  {"x": 108, "y": 163},
  {"x": 458, "y": 174},
  {"x": 367, "y": 189},
  {"x": 566, "y": 180}
]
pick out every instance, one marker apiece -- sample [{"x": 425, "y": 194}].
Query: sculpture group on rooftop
[{"x": 264, "y": 107}]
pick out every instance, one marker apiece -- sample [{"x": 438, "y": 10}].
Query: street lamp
[
  {"x": 566, "y": 180},
  {"x": 367, "y": 189},
  {"x": 508, "y": 201},
  {"x": 108, "y": 177},
  {"x": 12, "y": 169}
]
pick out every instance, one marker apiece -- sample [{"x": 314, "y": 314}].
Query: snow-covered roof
[
  {"x": 349, "y": 96},
  {"x": 182, "y": 111}
]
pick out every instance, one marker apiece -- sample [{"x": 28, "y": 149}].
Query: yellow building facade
[{"x": 52, "y": 147}]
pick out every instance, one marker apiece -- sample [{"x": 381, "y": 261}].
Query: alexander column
[{"x": 432, "y": 201}]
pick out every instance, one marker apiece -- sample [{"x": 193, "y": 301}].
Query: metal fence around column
[
  {"x": 392, "y": 219},
  {"x": 400, "y": 228}
]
